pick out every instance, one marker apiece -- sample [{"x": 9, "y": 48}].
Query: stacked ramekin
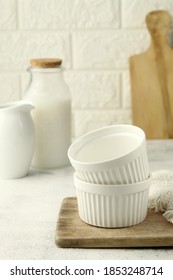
[{"x": 112, "y": 176}]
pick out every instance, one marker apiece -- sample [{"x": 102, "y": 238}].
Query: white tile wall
[{"x": 93, "y": 37}]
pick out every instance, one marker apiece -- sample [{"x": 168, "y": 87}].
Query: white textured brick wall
[{"x": 93, "y": 37}]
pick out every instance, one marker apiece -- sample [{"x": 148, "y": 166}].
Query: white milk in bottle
[{"x": 50, "y": 95}]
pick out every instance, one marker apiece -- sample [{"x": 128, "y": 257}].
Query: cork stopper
[{"x": 46, "y": 62}]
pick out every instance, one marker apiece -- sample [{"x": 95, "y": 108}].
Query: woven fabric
[{"x": 161, "y": 193}]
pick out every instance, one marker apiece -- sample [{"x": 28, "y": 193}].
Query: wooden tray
[{"x": 155, "y": 231}]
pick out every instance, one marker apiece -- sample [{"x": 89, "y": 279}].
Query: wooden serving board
[
  {"x": 72, "y": 232},
  {"x": 151, "y": 75}
]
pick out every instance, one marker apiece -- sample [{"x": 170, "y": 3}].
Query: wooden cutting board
[
  {"x": 155, "y": 231},
  {"x": 151, "y": 75}
]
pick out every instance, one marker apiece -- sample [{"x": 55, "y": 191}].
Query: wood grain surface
[
  {"x": 151, "y": 76},
  {"x": 72, "y": 232}
]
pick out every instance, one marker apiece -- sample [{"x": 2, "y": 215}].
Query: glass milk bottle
[{"x": 50, "y": 95}]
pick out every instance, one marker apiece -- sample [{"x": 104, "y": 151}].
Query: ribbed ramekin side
[{"x": 112, "y": 211}]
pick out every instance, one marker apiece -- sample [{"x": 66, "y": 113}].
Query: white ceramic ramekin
[
  {"x": 111, "y": 155},
  {"x": 112, "y": 206}
]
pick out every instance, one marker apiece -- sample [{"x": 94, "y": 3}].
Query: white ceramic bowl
[
  {"x": 111, "y": 155},
  {"x": 112, "y": 206}
]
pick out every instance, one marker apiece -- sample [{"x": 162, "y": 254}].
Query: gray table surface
[{"x": 29, "y": 209}]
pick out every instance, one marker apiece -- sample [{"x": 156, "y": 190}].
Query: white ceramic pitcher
[{"x": 16, "y": 139}]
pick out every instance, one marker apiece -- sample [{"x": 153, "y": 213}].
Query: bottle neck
[
  {"x": 45, "y": 75},
  {"x": 46, "y": 82}
]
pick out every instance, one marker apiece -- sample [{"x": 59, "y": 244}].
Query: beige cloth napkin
[{"x": 161, "y": 193}]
